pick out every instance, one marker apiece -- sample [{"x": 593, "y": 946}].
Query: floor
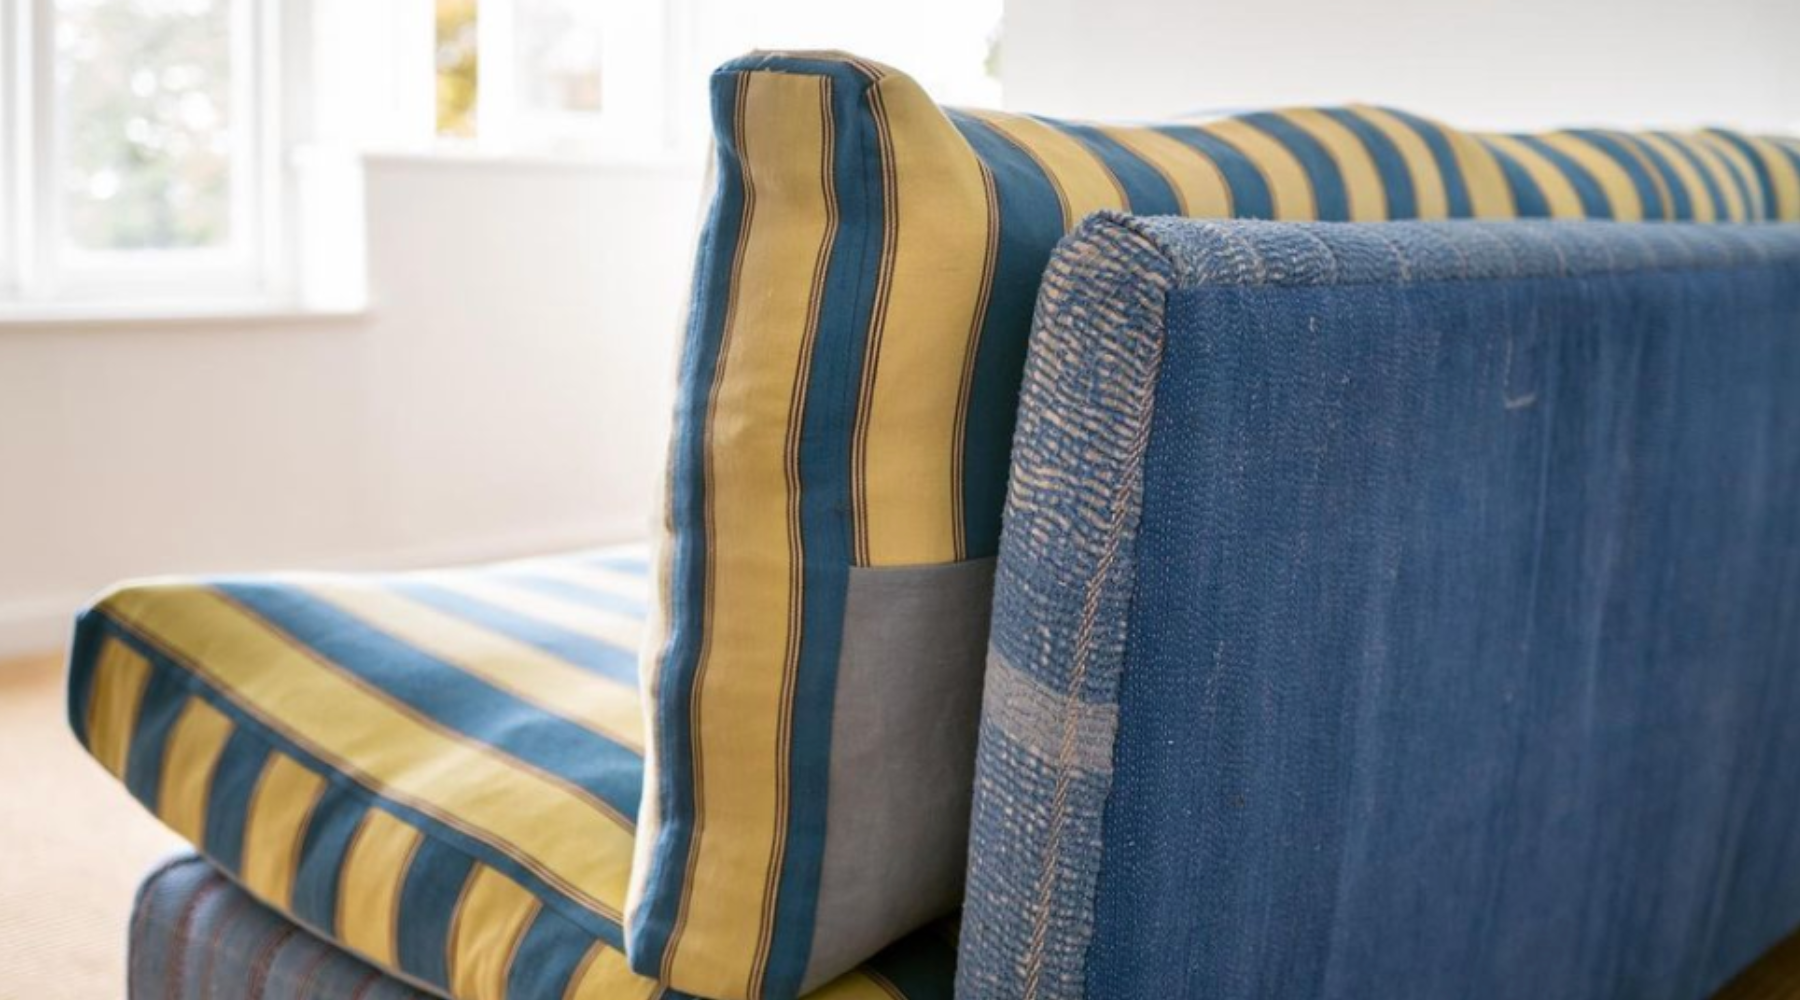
[{"x": 74, "y": 846}]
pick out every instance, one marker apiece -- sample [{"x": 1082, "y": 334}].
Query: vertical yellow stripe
[
  {"x": 117, "y": 693},
  {"x": 1198, "y": 184},
  {"x": 1704, "y": 209},
  {"x": 280, "y": 809},
  {"x": 739, "y": 709},
  {"x": 1429, "y": 193},
  {"x": 192, "y": 753},
  {"x": 491, "y": 917},
  {"x": 1289, "y": 186},
  {"x": 604, "y": 975},
  {"x": 1740, "y": 166},
  {"x": 1362, "y": 180},
  {"x": 1783, "y": 176},
  {"x": 1087, "y": 186},
  {"x": 1713, "y": 166},
  {"x": 939, "y": 267},
  {"x": 1490, "y": 196},
  {"x": 1609, "y": 173},
  {"x": 369, "y": 884},
  {"x": 1558, "y": 193}
]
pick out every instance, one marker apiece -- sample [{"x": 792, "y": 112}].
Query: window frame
[
  {"x": 11, "y": 45},
  {"x": 39, "y": 268}
]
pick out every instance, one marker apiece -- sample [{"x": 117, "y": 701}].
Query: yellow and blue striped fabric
[
  {"x": 862, "y": 299},
  {"x": 439, "y": 771}
]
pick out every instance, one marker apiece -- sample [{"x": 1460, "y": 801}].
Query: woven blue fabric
[
  {"x": 196, "y": 935},
  {"x": 1400, "y": 610}
]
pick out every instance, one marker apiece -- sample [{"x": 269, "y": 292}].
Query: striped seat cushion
[
  {"x": 438, "y": 771},
  {"x": 864, "y": 287},
  {"x": 196, "y": 935}
]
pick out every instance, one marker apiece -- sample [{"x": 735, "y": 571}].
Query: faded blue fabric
[
  {"x": 196, "y": 936},
  {"x": 1400, "y": 610}
]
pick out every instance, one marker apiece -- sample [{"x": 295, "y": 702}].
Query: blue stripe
[
  {"x": 1762, "y": 179},
  {"x": 549, "y": 955},
  {"x": 1793, "y": 156},
  {"x": 1721, "y": 209},
  {"x": 825, "y": 505},
  {"x": 1147, "y": 191},
  {"x": 1681, "y": 201},
  {"x": 1331, "y": 202},
  {"x": 1528, "y": 199},
  {"x": 1456, "y": 186},
  {"x": 1743, "y": 184},
  {"x": 322, "y": 853},
  {"x": 573, "y": 593},
  {"x": 84, "y": 663},
  {"x": 1396, "y": 180},
  {"x": 649, "y": 930},
  {"x": 428, "y": 898},
  {"x": 1641, "y": 180},
  {"x": 456, "y": 700},
  {"x": 586, "y": 652},
  {"x": 228, "y": 802},
  {"x": 1030, "y": 225},
  {"x": 1250, "y": 196},
  {"x": 1594, "y": 203},
  {"x": 164, "y": 698}
]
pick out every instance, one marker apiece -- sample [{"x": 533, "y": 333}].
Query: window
[
  {"x": 556, "y": 74},
  {"x": 136, "y": 136},
  {"x": 626, "y": 77}
]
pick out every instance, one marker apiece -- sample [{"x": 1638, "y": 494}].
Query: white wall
[
  {"x": 507, "y": 393},
  {"x": 1481, "y": 63}
]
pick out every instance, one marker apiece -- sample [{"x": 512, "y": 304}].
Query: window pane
[
  {"x": 458, "y": 67},
  {"x": 145, "y": 118},
  {"x": 559, "y": 55}
]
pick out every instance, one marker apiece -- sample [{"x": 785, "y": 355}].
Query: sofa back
[
  {"x": 1396, "y": 610},
  {"x": 848, "y": 391}
]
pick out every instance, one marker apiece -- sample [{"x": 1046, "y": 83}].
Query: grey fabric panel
[{"x": 897, "y": 827}]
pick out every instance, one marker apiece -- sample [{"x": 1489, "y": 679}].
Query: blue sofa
[
  {"x": 1406, "y": 610},
  {"x": 1403, "y": 610}
]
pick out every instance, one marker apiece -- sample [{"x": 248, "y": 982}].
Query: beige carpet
[{"x": 73, "y": 846}]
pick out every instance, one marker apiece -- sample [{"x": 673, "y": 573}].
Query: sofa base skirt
[{"x": 196, "y": 936}]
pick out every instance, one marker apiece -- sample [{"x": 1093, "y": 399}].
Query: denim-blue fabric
[{"x": 1396, "y": 611}]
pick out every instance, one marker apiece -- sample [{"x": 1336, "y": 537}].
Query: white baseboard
[{"x": 41, "y": 624}]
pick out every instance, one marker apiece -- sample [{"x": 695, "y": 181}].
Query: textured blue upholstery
[
  {"x": 195, "y": 935},
  {"x": 1403, "y": 610}
]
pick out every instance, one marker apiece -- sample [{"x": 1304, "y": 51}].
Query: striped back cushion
[
  {"x": 438, "y": 771},
  {"x": 864, "y": 287}
]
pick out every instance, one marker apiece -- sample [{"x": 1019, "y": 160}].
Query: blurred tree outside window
[
  {"x": 458, "y": 67},
  {"x": 145, "y": 119}
]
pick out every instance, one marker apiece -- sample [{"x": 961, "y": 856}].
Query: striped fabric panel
[
  {"x": 197, "y": 935},
  {"x": 850, "y": 382},
  {"x": 439, "y": 770}
]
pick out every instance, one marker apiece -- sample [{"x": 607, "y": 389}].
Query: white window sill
[
  {"x": 457, "y": 154},
  {"x": 109, "y": 315}
]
